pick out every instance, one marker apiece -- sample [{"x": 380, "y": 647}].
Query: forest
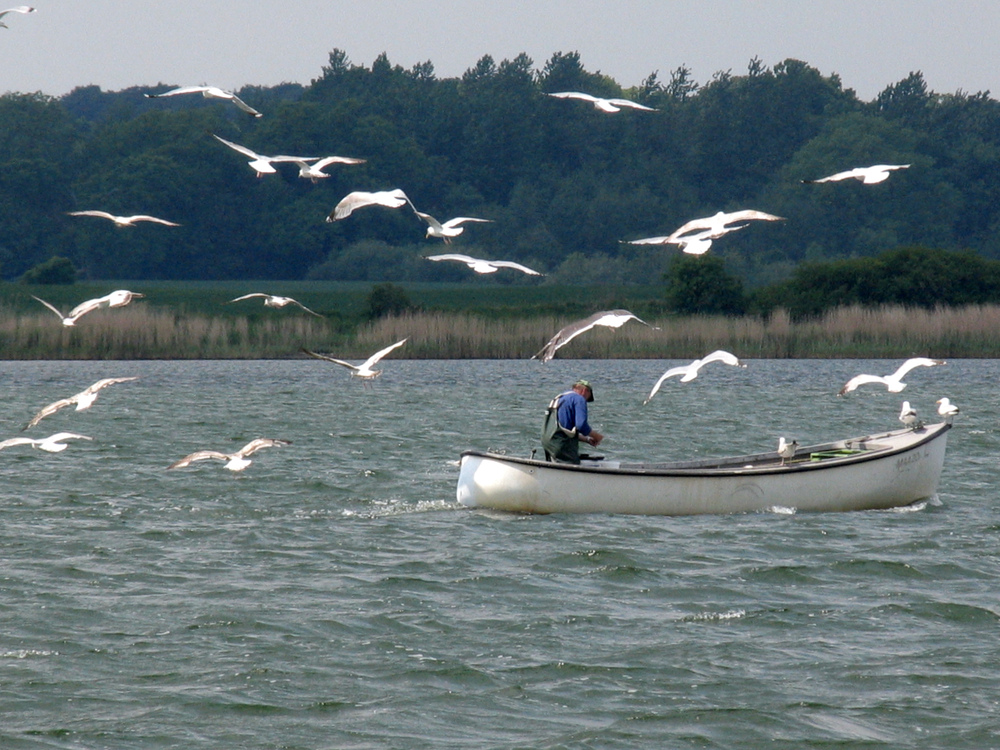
[{"x": 563, "y": 183}]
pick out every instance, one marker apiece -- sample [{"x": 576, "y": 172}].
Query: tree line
[{"x": 563, "y": 183}]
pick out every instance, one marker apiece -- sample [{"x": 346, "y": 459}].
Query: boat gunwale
[{"x": 731, "y": 468}]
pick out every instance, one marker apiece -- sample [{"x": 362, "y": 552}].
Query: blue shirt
[{"x": 572, "y": 412}]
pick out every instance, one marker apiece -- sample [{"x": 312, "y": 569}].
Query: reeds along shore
[{"x": 146, "y": 332}]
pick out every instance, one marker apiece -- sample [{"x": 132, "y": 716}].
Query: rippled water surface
[{"x": 334, "y": 595}]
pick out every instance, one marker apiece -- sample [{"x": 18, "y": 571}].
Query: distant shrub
[
  {"x": 55, "y": 270},
  {"x": 388, "y": 299}
]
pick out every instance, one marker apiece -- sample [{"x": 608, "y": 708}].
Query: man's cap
[{"x": 586, "y": 384}]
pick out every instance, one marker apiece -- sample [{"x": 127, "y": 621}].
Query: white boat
[{"x": 886, "y": 470}]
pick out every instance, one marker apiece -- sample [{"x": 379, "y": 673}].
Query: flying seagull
[
  {"x": 485, "y": 266},
  {"x": 947, "y": 409},
  {"x": 364, "y": 370},
  {"x": 209, "y": 92},
  {"x": 448, "y": 229},
  {"x": 260, "y": 163},
  {"x": 124, "y": 221},
  {"x": 237, "y": 461},
  {"x": 692, "y": 244},
  {"x": 718, "y": 225},
  {"x": 273, "y": 300},
  {"x": 867, "y": 175},
  {"x": 83, "y": 400},
  {"x": 908, "y": 415},
  {"x": 786, "y": 450},
  {"x": 18, "y": 9},
  {"x": 690, "y": 372},
  {"x": 609, "y": 318},
  {"x": 605, "y": 105},
  {"x": 315, "y": 171},
  {"x": 117, "y": 298},
  {"x": 359, "y": 199},
  {"x": 894, "y": 382},
  {"x": 51, "y": 444}
]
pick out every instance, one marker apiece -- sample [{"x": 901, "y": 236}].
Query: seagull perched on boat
[
  {"x": 718, "y": 225},
  {"x": 448, "y": 229},
  {"x": 364, "y": 370},
  {"x": 692, "y": 244},
  {"x": 83, "y": 400},
  {"x": 608, "y": 318},
  {"x": 787, "y": 450},
  {"x": 867, "y": 175},
  {"x": 209, "y": 92},
  {"x": 893, "y": 382},
  {"x": 947, "y": 409},
  {"x": 359, "y": 199},
  {"x": 315, "y": 171},
  {"x": 117, "y": 298},
  {"x": 690, "y": 372},
  {"x": 485, "y": 266},
  {"x": 605, "y": 105},
  {"x": 260, "y": 163},
  {"x": 124, "y": 221},
  {"x": 18, "y": 9},
  {"x": 908, "y": 415},
  {"x": 237, "y": 461},
  {"x": 273, "y": 300},
  {"x": 51, "y": 444}
]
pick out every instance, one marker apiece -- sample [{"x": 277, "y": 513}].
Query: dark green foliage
[
  {"x": 53, "y": 271},
  {"x": 388, "y": 299},
  {"x": 700, "y": 285}
]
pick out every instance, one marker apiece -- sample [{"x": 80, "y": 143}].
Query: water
[{"x": 334, "y": 595}]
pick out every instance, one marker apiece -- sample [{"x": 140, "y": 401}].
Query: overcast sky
[{"x": 116, "y": 44}]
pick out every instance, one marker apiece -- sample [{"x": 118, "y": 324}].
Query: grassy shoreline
[{"x": 148, "y": 332}]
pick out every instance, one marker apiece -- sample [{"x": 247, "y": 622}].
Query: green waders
[{"x": 559, "y": 443}]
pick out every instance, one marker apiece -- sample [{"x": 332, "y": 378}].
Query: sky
[{"x": 870, "y": 44}]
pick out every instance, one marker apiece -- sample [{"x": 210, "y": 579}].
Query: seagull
[
  {"x": 273, "y": 300},
  {"x": 692, "y": 244},
  {"x": 908, "y": 415},
  {"x": 117, "y": 298},
  {"x": 83, "y": 400},
  {"x": 786, "y": 450},
  {"x": 237, "y": 461},
  {"x": 718, "y": 224},
  {"x": 868, "y": 175},
  {"x": 260, "y": 163},
  {"x": 18, "y": 9},
  {"x": 894, "y": 382},
  {"x": 124, "y": 221},
  {"x": 51, "y": 444},
  {"x": 449, "y": 229},
  {"x": 485, "y": 266},
  {"x": 360, "y": 199},
  {"x": 609, "y": 318},
  {"x": 947, "y": 409},
  {"x": 315, "y": 171},
  {"x": 605, "y": 105},
  {"x": 209, "y": 92},
  {"x": 363, "y": 371},
  {"x": 690, "y": 372}
]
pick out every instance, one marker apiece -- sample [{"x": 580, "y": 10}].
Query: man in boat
[{"x": 566, "y": 424}]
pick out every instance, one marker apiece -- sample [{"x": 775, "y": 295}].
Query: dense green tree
[{"x": 701, "y": 285}]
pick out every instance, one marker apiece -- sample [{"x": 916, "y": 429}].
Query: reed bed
[{"x": 147, "y": 332}]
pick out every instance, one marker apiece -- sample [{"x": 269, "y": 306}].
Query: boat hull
[{"x": 877, "y": 471}]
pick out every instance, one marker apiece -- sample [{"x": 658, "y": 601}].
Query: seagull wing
[
  {"x": 914, "y": 362},
  {"x": 721, "y": 355},
  {"x": 857, "y": 380},
  {"x": 255, "y": 445},
  {"x": 750, "y": 214},
  {"x": 180, "y": 90},
  {"x": 51, "y": 307},
  {"x": 105, "y": 382},
  {"x": 672, "y": 372},
  {"x": 454, "y": 256},
  {"x": 431, "y": 221},
  {"x": 340, "y": 362},
  {"x": 857, "y": 173},
  {"x": 359, "y": 199},
  {"x": 250, "y": 296},
  {"x": 328, "y": 160},
  {"x": 88, "y": 306},
  {"x": 566, "y": 334},
  {"x": 244, "y": 106},
  {"x": 574, "y": 95},
  {"x": 99, "y": 214},
  {"x": 299, "y": 304},
  {"x": 462, "y": 219},
  {"x": 515, "y": 266},
  {"x": 372, "y": 360},
  {"x": 16, "y": 441},
  {"x": 199, "y": 456},
  {"x": 628, "y": 103},
  {"x": 146, "y": 217},
  {"x": 651, "y": 241},
  {"x": 48, "y": 410},
  {"x": 237, "y": 147}
]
